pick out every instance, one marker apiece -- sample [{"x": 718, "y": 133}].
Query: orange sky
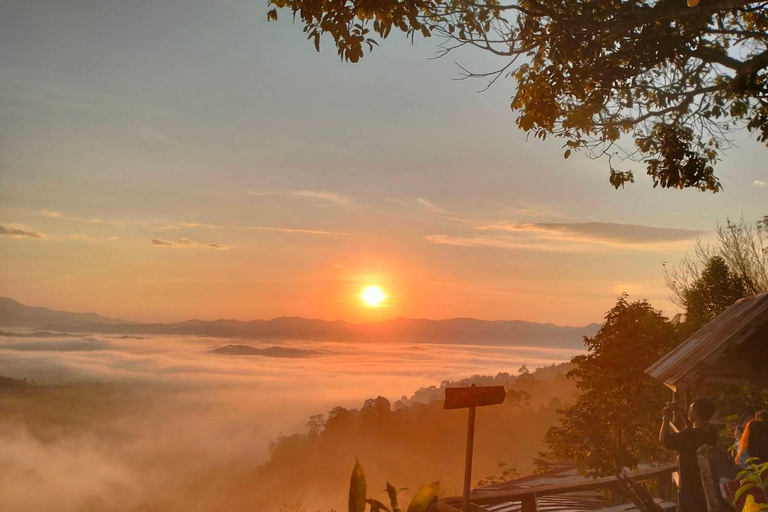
[{"x": 155, "y": 171}]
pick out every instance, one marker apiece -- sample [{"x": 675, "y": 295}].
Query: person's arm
[{"x": 667, "y": 437}]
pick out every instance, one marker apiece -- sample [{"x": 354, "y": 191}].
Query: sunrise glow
[{"x": 373, "y": 296}]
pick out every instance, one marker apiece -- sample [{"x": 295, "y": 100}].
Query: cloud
[
  {"x": 760, "y": 183},
  {"x": 292, "y": 230},
  {"x": 572, "y": 237},
  {"x": 81, "y": 236},
  {"x": 537, "y": 211},
  {"x": 20, "y": 233},
  {"x": 464, "y": 241},
  {"x": 58, "y": 215},
  {"x": 316, "y": 195},
  {"x": 599, "y": 232},
  {"x": 424, "y": 205},
  {"x": 113, "y": 238},
  {"x": 421, "y": 204},
  {"x": 203, "y": 418},
  {"x": 188, "y": 225},
  {"x": 153, "y": 135},
  {"x": 186, "y": 243}
]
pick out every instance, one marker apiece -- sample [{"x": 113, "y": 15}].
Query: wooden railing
[{"x": 527, "y": 496}]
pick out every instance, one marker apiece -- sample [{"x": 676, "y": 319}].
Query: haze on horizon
[{"x": 161, "y": 163}]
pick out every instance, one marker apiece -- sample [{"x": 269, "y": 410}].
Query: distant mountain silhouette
[
  {"x": 456, "y": 330},
  {"x": 247, "y": 350},
  {"x": 15, "y": 314}
]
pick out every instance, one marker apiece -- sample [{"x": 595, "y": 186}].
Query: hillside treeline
[{"x": 410, "y": 442}]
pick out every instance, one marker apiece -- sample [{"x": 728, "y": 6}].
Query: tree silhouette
[
  {"x": 714, "y": 292},
  {"x": 675, "y": 79},
  {"x": 612, "y": 423}
]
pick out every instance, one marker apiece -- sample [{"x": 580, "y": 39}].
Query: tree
[
  {"x": 613, "y": 424},
  {"x": 744, "y": 249},
  {"x": 714, "y": 292},
  {"x": 677, "y": 80}
]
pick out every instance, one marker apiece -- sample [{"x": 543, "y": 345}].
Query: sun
[{"x": 373, "y": 296}]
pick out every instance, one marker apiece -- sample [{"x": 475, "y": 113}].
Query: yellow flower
[{"x": 751, "y": 506}]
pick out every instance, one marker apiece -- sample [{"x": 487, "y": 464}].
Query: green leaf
[
  {"x": 424, "y": 497},
  {"x": 376, "y": 505},
  {"x": 755, "y": 479},
  {"x": 357, "y": 489},
  {"x": 392, "y": 492},
  {"x": 744, "y": 488}
]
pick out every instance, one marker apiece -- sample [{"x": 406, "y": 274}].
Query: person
[
  {"x": 753, "y": 443},
  {"x": 691, "y": 491}
]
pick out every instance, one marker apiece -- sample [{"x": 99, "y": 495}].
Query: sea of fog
[{"x": 121, "y": 418}]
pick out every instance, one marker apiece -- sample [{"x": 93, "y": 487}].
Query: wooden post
[
  {"x": 616, "y": 495},
  {"x": 665, "y": 486},
  {"x": 528, "y": 503},
  {"x": 468, "y": 463},
  {"x": 471, "y": 398},
  {"x": 674, "y": 413}
]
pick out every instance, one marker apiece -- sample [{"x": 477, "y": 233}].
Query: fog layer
[{"x": 164, "y": 423}]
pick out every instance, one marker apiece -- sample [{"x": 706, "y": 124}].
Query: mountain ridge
[{"x": 452, "y": 330}]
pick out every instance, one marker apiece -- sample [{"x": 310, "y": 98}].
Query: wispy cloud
[
  {"x": 537, "y": 211},
  {"x": 58, "y": 215},
  {"x": 186, "y": 243},
  {"x": 760, "y": 183},
  {"x": 477, "y": 241},
  {"x": 82, "y": 237},
  {"x": 188, "y": 225},
  {"x": 424, "y": 205},
  {"x": 153, "y": 135},
  {"x": 315, "y": 195},
  {"x": 20, "y": 233},
  {"x": 598, "y": 232},
  {"x": 573, "y": 237},
  {"x": 421, "y": 204},
  {"x": 294, "y": 230}
]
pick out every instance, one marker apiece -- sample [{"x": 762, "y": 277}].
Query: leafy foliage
[
  {"x": 612, "y": 423},
  {"x": 507, "y": 473},
  {"x": 753, "y": 481},
  {"x": 715, "y": 276},
  {"x": 357, "y": 493},
  {"x": 675, "y": 79},
  {"x": 357, "y": 489},
  {"x": 714, "y": 292}
]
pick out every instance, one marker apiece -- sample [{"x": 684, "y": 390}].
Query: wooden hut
[{"x": 731, "y": 349}]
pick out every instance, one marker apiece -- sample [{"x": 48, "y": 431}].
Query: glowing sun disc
[{"x": 373, "y": 296}]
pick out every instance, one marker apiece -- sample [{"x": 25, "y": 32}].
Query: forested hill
[
  {"x": 456, "y": 330},
  {"x": 405, "y": 443}
]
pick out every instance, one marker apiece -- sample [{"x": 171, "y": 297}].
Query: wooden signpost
[{"x": 472, "y": 398}]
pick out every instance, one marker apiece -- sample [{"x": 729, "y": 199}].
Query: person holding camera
[{"x": 698, "y": 432}]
